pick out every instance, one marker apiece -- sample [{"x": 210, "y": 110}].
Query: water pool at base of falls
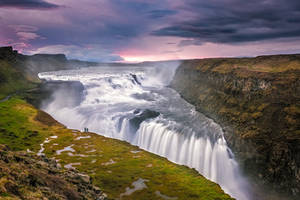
[{"x": 134, "y": 104}]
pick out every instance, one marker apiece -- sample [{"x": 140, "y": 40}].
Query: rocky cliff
[{"x": 256, "y": 100}]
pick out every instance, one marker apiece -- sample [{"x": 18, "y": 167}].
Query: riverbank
[{"x": 256, "y": 100}]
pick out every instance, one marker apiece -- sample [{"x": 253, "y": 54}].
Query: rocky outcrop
[
  {"x": 139, "y": 117},
  {"x": 7, "y": 53},
  {"x": 257, "y": 101},
  {"x": 25, "y": 176}
]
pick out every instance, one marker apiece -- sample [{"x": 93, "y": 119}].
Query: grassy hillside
[
  {"x": 113, "y": 165},
  {"x": 268, "y": 64}
]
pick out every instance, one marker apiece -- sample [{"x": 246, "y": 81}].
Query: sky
[{"x": 140, "y": 30}]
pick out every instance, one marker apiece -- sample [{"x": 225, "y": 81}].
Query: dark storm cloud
[
  {"x": 129, "y": 20},
  {"x": 234, "y": 21},
  {"x": 27, "y": 4}
]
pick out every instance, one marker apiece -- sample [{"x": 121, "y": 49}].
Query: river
[{"x": 134, "y": 104}]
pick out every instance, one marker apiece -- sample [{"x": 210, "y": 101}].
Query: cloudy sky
[{"x": 137, "y": 30}]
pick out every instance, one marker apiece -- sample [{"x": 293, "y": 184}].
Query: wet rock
[
  {"x": 7, "y": 53},
  {"x": 141, "y": 116},
  {"x": 84, "y": 178},
  {"x": 135, "y": 79}
]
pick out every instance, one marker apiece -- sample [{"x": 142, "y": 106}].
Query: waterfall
[
  {"x": 213, "y": 159},
  {"x": 134, "y": 104}
]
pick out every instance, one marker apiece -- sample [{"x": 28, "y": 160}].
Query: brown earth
[{"x": 25, "y": 176}]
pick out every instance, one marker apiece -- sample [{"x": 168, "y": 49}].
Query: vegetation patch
[{"x": 12, "y": 80}]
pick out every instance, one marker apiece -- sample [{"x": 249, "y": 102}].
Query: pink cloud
[{"x": 27, "y": 36}]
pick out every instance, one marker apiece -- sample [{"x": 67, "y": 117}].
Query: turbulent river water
[{"x": 134, "y": 104}]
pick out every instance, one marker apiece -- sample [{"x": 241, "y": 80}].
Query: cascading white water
[{"x": 134, "y": 104}]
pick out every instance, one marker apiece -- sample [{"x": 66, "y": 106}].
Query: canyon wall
[{"x": 256, "y": 100}]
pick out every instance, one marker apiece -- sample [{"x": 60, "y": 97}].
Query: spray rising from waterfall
[{"x": 134, "y": 104}]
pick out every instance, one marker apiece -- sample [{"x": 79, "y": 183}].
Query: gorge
[{"x": 235, "y": 121}]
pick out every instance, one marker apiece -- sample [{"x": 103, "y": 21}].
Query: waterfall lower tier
[{"x": 212, "y": 159}]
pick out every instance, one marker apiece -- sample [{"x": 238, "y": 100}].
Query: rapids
[{"x": 134, "y": 104}]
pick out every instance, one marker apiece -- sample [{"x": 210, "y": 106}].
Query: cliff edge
[{"x": 256, "y": 100}]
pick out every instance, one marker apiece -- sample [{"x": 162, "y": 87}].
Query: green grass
[
  {"x": 12, "y": 80},
  {"x": 168, "y": 178},
  {"x": 18, "y": 120},
  {"x": 17, "y": 126}
]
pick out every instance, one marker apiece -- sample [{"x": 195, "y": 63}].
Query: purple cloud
[{"x": 28, "y": 4}]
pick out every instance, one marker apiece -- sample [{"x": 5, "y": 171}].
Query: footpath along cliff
[{"x": 256, "y": 100}]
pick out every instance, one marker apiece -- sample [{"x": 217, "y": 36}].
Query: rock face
[
  {"x": 24, "y": 176},
  {"x": 7, "y": 53},
  {"x": 257, "y": 101}
]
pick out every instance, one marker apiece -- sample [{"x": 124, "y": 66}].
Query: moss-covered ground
[
  {"x": 267, "y": 64},
  {"x": 113, "y": 165},
  {"x": 12, "y": 80}
]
